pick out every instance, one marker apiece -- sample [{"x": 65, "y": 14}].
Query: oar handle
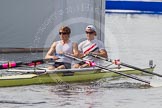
[
  {"x": 72, "y": 57},
  {"x": 99, "y": 57}
]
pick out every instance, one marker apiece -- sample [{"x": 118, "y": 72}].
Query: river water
[{"x": 135, "y": 39}]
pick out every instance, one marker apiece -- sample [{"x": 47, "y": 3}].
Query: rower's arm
[
  {"x": 102, "y": 53},
  {"x": 50, "y": 53},
  {"x": 75, "y": 50}
]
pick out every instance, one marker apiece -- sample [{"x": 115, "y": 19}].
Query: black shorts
[
  {"x": 81, "y": 63},
  {"x": 67, "y": 65}
]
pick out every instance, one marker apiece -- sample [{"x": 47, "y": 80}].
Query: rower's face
[
  {"x": 64, "y": 35},
  {"x": 90, "y": 34}
]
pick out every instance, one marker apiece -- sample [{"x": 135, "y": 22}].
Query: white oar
[
  {"x": 153, "y": 83},
  {"x": 120, "y": 73},
  {"x": 126, "y": 65},
  {"x": 40, "y": 71}
]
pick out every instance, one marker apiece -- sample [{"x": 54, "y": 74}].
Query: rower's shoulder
[
  {"x": 97, "y": 40},
  {"x": 83, "y": 42},
  {"x": 54, "y": 44}
]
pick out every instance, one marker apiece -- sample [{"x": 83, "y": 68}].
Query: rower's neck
[
  {"x": 91, "y": 39},
  {"x": 64, "y": 41}
]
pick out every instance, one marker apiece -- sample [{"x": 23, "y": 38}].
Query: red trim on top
[{"x": 89, "y": 48}]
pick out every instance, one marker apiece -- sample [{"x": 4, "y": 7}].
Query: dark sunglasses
[
  {"x": 89, "y": 32},
  {"x": 64, "y": 33}
]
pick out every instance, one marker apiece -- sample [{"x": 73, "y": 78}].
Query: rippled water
[
  {"x": 134, "y": 39},
  {"x": 119, "y": 95}
]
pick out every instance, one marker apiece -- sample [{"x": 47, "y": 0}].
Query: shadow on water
[
  {"x": 18, "y": 102},
  {"x": 129, "y": 85},
  {"x": 119, "y": 82},
  {"x": 69, "y": 89},
  {"x": 74, "y": 89}
]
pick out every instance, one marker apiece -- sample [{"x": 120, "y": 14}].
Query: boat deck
[{"x": 56, "y": 78}]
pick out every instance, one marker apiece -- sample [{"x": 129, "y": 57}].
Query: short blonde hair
[{"x": 65, "y": 29}]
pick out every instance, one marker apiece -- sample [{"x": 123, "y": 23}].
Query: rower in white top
[
  {"x": 91, "y": 45},
  {"x": 57, "y": 49}
]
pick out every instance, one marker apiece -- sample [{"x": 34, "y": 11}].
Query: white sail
[{"x": 35, "y": 23}]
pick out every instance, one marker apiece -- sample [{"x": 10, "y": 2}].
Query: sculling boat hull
[{"x": 57, "y": 78}]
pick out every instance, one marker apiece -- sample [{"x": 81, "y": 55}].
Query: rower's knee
[
  {"x": 51, "y": 67},
  {"x": 76, "y": 66},
  {"x": 61, "y": 67}
]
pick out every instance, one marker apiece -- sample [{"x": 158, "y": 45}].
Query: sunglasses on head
[
  {"x": 64, "y": 33},
  {"x": 89, "y": 32}
]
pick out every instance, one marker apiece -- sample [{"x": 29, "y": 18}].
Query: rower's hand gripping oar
[
  {"x": 126, "y": 65},
  {"x": 18, "y": 64},
  {"x": 101, "y": 67}
]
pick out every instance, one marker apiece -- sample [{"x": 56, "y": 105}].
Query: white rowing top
[
  {"x": 89, "y": 46},
  {"x": 66, "y": 48}
]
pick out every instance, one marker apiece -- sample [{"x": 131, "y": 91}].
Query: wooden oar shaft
[
  {"x": 127, "y": 65},
  {"x": 123, "y": 74}
]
